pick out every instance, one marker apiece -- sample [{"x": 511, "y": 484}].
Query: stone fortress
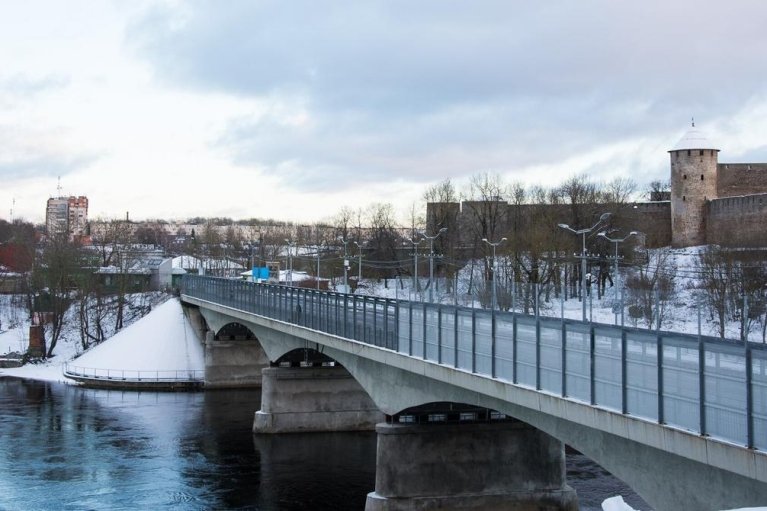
[
  {"x": 712, "y": 202},
  {"x": 709, "y": 203}
]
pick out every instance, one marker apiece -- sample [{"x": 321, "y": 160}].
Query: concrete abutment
[{"x": 479, "y": 466}]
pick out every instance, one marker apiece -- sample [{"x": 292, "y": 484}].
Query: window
[
  {"x": 683, "y": 198},
  {"x": 701, "y": 177},
  {"x": 688, "y": 152},
  {"x": 701, "y": 152},
  {"x": 684, "y": 176}
]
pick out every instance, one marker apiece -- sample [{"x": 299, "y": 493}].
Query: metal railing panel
[
  {"x": 504, "y": 347},
  {"x": 681, "y": 390},
  {"x": 642, "y": 375},
  {"x": 464, "y": 338},
  {"x": 417, "y": 332},
  {"x": 725, "y": 389},
  {"x": 447, "y": 335},
  {"x": 578, "y": 364},
  {"x": 483, "y": 327},
  {"x": 759, "y": 386},
  {"x": 608, "y": 380},
  {"x": 404, "y": 326},
  {"x": 526, "y": 350},
  {"x": 431, "y": 333},
  {"x": 550, "y": 371}
]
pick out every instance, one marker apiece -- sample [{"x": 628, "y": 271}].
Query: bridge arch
[{"x": 235, "y": 331}]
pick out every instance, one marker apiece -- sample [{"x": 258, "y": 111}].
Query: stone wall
[
  {"x": 735, "y": 179},
  {"x": 653, "y": 219},
  {"x": 738, "y": 221}
]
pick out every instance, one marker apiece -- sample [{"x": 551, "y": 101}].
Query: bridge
[{"x": 467, "y": 399}]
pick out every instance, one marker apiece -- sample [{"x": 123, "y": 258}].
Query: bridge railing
[
  {"x": 701, "y": 384},
  {"x": 130, "y": 375}
]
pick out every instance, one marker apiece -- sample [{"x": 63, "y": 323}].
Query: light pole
[
  {"x": 289, "y": 280},
  {"x": 431, "y": 260},
  {"x": 359, "y": 263},
  {"x": 319, "y": 252},
  {"x": 494, "y": 244},
  {"x": 415, "y": 262},
  {"x": 346, "y": 263},
  {"x": 584, "y": 232},
  {"x": 619, "y": 284}
]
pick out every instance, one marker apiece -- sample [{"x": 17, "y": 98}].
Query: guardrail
[
  {"x": 134, "y": 376},
  {"x": 696, "y": 383}
]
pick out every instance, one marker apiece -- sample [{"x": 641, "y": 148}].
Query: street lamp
[
  {"x": 319, "y": 252},
  {"x": 289, "y": 280},
  {"x": 346, "y": 263},
  {"x": 415, "y": 261},
  {"x": 431, "y": 260},
  {"x": 584, "y": 232},
  {"x": 618, "y": 287},
  {"x": 359, "y": 263},
  {"x": 494, "y": 245}
]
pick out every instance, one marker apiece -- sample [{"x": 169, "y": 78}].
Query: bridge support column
[
  {"x": 233, "y": 363},
  {"x": 505, "y": 465},
  {"x": 305, "y": 399}
]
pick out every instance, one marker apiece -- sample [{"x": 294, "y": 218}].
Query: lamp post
[
  {"x": 618, "y": 287},
  {"x": 415, "y": 262},
  {"x": 431, "y": 260},
  {"x": 346, "y": 263},
  {"x": 584, "y": 232},
  {"x": 359, "y": 263},
  {"x": 289, "y": 280},
  {"x": 319, "y": 252},
  {"x": 494, "y": 244}
]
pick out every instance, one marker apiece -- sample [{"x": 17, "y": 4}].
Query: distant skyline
[{"x": 291, "y": 110}]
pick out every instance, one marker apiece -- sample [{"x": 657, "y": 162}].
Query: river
[{"x": 67, "y": 448}]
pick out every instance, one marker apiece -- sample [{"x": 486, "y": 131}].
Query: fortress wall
[
  {"x": 735, "y": 179},
  {"x": 738, "y": 221},
  {"x": 653, "y": 219}
]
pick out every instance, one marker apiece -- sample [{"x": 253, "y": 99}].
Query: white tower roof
[{"x": 694, "y": 139}]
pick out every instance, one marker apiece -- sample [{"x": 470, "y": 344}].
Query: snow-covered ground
[{"x": 163, "y": 340}]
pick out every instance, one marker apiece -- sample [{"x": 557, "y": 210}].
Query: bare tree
[
  {"x": 651, "y": 288},
  {"x": 54, "y": 278}
]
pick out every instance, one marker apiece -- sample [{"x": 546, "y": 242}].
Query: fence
[
  {"x": 701, "y": 384},
  {"x": 134, "y": 376}
]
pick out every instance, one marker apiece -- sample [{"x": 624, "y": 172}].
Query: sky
[{"x": 292, "y": 110}]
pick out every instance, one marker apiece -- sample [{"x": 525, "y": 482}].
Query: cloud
[
  {"x": 26, "y": 86},
  {"x": 388, "y": 85}
]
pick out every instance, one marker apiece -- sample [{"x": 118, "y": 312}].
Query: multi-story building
[{"x": 67, "y": 215}]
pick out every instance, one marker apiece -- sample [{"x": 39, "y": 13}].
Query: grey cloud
[
  {"x": 42, "y": 166},
  {"x": 425, "y": 90},
  {"x": 23, "y": 85}
]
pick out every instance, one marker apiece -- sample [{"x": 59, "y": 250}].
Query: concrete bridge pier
[
  {"x": 479, "y": 466},
  {"x": 233, "y": 362},
  {"x": 308, "y": 399}
]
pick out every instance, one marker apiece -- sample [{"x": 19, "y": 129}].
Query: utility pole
[
  {"x": 431, "y": 260},
  {"x": 495, "y": 267},
  {"x": 584, "y": 232},
  {"x": 359, "y": 263},
  {"x": 619, "y": 282},
  {"x": 346, "y": 263},
  {"x": 415, "y": 262}
]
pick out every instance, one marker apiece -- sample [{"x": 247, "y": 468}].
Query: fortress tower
[{"x": 693, "y": 182}]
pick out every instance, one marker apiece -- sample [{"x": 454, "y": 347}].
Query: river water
[{"x": 68, "y": 448}]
